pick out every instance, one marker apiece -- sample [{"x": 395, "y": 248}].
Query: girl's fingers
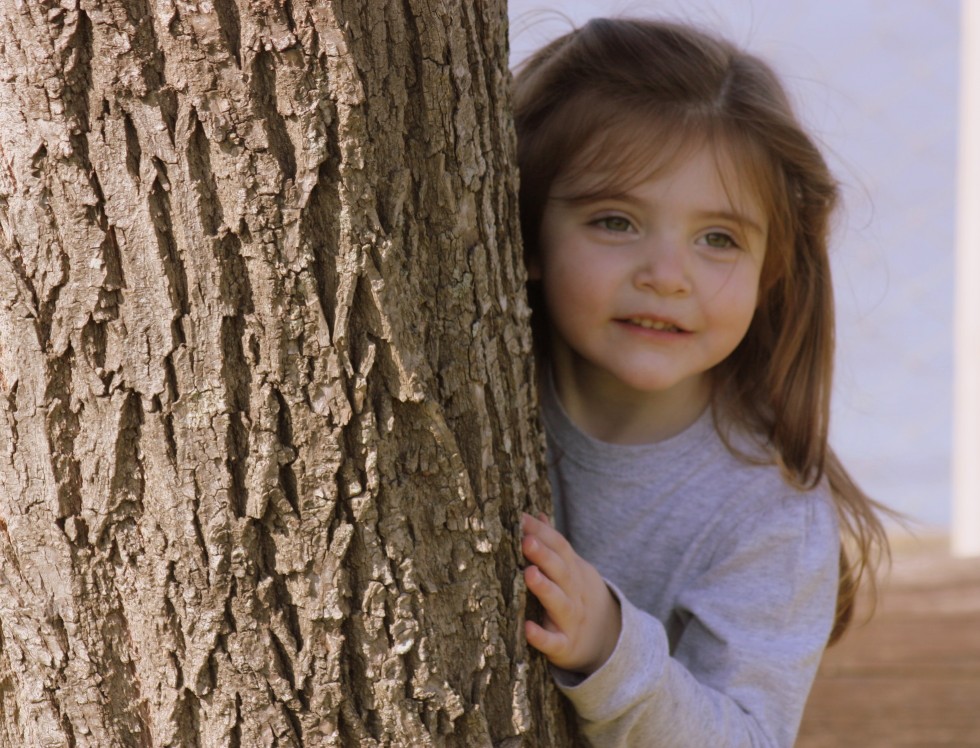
[
  {"x": 551, "y": 596},
  {"x": 538, "y": 524},
  {"x": 545, "y": 558},
  {"x": 547, "y": 534},
  {"x": 549, "y": 643}
]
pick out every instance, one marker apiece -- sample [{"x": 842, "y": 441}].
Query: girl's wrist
[{"x": 609, "y": 638}]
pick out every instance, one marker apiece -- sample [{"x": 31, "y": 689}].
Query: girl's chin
[{"x": 654, "y": 385}]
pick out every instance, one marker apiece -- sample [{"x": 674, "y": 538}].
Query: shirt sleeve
[{"x": 753, "y": 626}]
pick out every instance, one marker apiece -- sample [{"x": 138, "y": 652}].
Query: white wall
[{"x": 966, "y": 476}]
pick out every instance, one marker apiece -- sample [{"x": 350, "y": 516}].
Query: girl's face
[{"x": 649, "y": 289}]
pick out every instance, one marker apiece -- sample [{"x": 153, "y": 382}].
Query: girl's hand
[{"x": 581, "y": 617}]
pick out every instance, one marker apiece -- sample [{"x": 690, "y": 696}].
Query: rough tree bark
[{"x": 266, "y": 416}]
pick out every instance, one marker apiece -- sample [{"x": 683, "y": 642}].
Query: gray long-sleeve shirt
[{"x": 727, "y": 578}]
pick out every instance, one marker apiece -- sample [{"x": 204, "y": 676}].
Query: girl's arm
[{"x": 756, "y": 624}]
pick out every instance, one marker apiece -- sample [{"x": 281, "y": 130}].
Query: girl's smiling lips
[{"x": 652, "y": 323}]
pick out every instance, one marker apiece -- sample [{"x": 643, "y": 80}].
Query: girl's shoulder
[
  {"x": 757, "y": 486},
  {"x": 760, "y": 514}
]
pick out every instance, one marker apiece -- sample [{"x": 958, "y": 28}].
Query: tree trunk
[{"x": 267, "y": 421}]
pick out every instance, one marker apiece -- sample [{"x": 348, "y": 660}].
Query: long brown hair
[{"x": 618, "y": 99}]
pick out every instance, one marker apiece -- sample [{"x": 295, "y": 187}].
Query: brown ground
[{"x": 910, "y": 677}]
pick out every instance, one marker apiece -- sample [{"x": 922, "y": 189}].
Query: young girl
[{"x": 675, "y": 217}]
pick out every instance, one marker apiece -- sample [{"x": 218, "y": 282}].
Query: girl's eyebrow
[
  {"x": 734, "y": 217},
  {"x": 600, "y": 197}
]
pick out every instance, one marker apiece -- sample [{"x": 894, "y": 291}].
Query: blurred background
[{"x": 877, "y": 83}]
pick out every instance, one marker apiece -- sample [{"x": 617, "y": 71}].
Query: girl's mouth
[{"x": 653, "y": 324}]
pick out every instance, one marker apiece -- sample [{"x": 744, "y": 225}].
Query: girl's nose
[{"x": 662, "y": 268}]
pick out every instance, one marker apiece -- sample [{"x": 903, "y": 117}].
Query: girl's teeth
[{"x": 650, "y": 324}]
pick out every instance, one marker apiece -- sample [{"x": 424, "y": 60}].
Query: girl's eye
[
  {"x": 618, "y": 224},
  {"x": 719, "y": 240}
]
